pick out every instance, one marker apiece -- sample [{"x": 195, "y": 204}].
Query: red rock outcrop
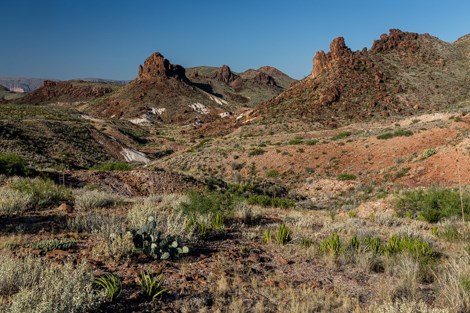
[
  {"x": 156, "y": 66},
  {"x": 224, "y": 74},
  {"x": 350, "y": 85}
]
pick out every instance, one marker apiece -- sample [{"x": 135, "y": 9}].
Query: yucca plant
[
  {"x": 218, "y": 222},
  {"x": 283, "y": 235},
  {"x": 267, "y": 236},
  {"x": 331, "y": 244},
  {"x": 152, "y": 286},
  {"x": 111, "y": 283}
]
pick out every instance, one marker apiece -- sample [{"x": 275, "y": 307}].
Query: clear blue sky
[{"x": 67, "y": 39}]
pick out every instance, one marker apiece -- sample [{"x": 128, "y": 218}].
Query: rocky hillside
[
  {"x": 401, "y": 74},
  {"x": 169, "y": 93},
  {"x": 246, "y": 89},
  {"x": 68, "y": 92}
]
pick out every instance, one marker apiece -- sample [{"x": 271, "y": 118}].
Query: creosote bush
[
  {"x": 434, "y": 204},
  {"x": 112, "y": 166},
  {"x": 13, "y": 165}
]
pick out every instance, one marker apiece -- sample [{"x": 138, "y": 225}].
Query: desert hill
[
  {"x": 401, "y": 73},
  {"x": 171, "y": 94}
]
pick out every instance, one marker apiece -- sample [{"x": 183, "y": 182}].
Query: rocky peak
[
  {"x": 262, "y": 78},
  {"x": 156, "y": 66},
  {"x": 396, "y": 39},
  {"x": 339, "y": 54},
  {"x": 224, "y": 74}
]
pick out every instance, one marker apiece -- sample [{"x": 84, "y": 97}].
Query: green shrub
[
  {"x": 272, "y": 173},
  {"x": 295, "y": 142},
  {"x": 414, "y": 246},
  {"x": 341, "y": 135},
  {"x": 346, "y": 176},
  {"x": 43, "y": 192},
  {"x": 112, "y": 166},
  {"x": 270, "y": 202},
  {"x": 256, "y": 151},
  {"x": 427, "y": 153},
  {"x": 433, "y": 204},
  {"x": 13, "y": 201},
  {"x": 13, "y": 165},
  {"x": 208, "y": 202},
  {"x": 398, "y": 133},
  {"x": 311, "y": 142}
]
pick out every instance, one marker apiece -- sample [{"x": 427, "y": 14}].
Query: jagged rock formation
[
  {"x": 156, "y": 66},
  {"x": 401, "y": 73},
  {"x": 225, "y": 75}
]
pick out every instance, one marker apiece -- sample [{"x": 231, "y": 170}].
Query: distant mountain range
[{"x": 28, "y": 84}]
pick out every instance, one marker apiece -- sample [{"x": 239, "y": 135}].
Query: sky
[{"x": 69, "y": 39}]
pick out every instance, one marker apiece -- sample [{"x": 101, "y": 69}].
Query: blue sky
[{"x": 108, "y": 39}]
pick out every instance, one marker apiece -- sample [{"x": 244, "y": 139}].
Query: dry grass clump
[
  {"x": 13, "y": 201},
  {"x": 405, "y": 307},
  {"x": 454, "y": 281},
  {"x": 92, "y": 199},
  {"x": 36, "y": 286},
  {"x": 170, "y": 221}
]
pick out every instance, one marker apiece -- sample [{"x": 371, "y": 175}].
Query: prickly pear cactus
[{"x": 150, "y": 240}]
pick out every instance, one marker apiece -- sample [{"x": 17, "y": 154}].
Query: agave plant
[
  {"x": 111, "y": 283},
  {"x": 152, "y": 286}
]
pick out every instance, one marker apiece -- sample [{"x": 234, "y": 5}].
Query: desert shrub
[
  {"x": 272, "y": 173},
  {"x": 58, "y": 289},
  {"x": 36, "y": 286},
  {"x": 295, "y": 142},
  {"x": 428, "y": 152},
  {"x": 13, "y": 201},
  {"x": 433, "y": 204},
  {"x": 43, "y": 192},
  {"x": 346, "y": 176},
  {"x": 270, "y": 202},
  {"x": 112, "y": 166},
  {"x": 13, "y": 165},
  {"x": 203, "y": 203},
  {"x": 91, "y": 199},
  {"x": 90, "y": 222},
  {"x": 117, "y": 247},
  {"x": 398, "y": 133},
  {"x": 256, "y": 151},
  {"x": 341, "y": 135}
]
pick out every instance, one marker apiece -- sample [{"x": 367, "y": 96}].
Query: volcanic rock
[{"x": 156, "y": 66}]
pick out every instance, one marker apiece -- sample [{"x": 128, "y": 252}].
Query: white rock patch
[
  {"x": 199, "y": 108},
  {"x": 134, "y": 156}
]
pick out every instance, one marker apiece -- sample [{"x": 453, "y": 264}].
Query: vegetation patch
[
  {"x": 43, "y": 192},
  {"x": 398, "y": 133},
  {"x": 346, "y": 176},
  {"x": 434, "y": 204},
  {"x": 341, "y": 135},
  {"x": 270, "y": 202},
  {"x": 112, "y": 166},
  {"x": 13, "y": 165}
]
